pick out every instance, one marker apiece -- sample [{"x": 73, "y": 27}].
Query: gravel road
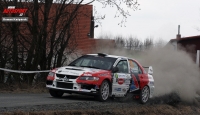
[
  {"x": 15, "y": 100},
  {"x": 29, "y": 102},
  {"x": 38, "y": 102}
]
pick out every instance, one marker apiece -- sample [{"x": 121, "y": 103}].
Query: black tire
[
  {"x": 55, "y": 93},
  {"x": 104, "y": 91},
  {"x": 144, "y": 95}
]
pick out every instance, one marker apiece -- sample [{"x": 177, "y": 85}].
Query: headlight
[
  {"x": 89, "y": 78},
  {"x": 51, "y": 74}
]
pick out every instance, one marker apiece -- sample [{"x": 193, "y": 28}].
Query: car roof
[{"x": 113, "y": 56}]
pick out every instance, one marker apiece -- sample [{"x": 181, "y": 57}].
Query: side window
[
  {"x": 123, "y": 66},
  {"x": 134, "y": 67}
]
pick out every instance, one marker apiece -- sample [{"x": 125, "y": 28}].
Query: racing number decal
[{"x": 119, "y": 79}]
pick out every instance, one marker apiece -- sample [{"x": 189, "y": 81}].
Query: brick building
[
  {"x": 190, "y": 44},
  {"x": 82, "y": 28}
]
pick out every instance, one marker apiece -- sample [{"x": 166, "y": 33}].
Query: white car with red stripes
[{"x": 103, "y": 76}]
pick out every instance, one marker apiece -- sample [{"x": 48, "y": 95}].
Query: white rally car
[{"x": 103, "y": 76}]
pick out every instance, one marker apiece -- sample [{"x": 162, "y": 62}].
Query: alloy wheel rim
[
  {"x": 105, "y": 91},
  {"x": 145, "y": 94}
]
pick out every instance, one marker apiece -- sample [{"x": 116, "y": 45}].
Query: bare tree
[
  {"x": 133, "y": 43},
  {"x": 120, "y": 9},
  {"x": 8, "y": 39},
  {"x": 120, "y": 41},
  {"x": 46, "y": 37},
  {"x": 148, "y": 43}
]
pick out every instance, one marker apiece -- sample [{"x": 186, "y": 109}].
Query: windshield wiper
[{"x": 91, "y": 67}]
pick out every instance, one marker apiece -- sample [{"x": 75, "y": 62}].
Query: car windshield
[{"x": 94, "y": 61}]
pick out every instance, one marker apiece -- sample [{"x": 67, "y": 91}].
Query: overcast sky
[{"x": 156, "y": 19}]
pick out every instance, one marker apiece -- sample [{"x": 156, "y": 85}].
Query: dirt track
[
  {"x": 77, "y": 104},
  {"x": 33, "y": 101},
  {"x": 91, "y": 108}
]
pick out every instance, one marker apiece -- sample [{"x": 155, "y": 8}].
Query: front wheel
[
  {"x": 55, "y": 93},
  {"x": 144, "y": 95},
  {"x": 104, "y": 91}
]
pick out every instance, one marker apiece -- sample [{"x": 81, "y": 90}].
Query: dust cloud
[{"x": 174, "y": 71}]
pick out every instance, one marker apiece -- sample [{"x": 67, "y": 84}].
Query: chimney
[
  {"x": 178, "y": 36},
  {"x": 198, "y": 57}
]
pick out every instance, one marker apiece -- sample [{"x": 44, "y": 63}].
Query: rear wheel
[
  {"x": 55, "y": 93},
  {"x": 144, "y": 95},
  {"x": 104, "y": 91}
]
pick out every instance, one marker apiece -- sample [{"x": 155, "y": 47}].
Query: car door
[
  {"x": 121, "y": 79},
  {"x": 139, "y": 78},
  {"x": 136, "y": 74}
]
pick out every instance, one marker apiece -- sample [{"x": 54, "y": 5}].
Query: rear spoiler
[{"x": 150, "y": 69}]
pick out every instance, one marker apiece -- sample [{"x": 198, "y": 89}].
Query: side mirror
[
  {"x": 115, "y": 69},
  {"x": 150, "y": 70}
]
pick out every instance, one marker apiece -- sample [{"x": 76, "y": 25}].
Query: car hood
[{"x": 78, "y": 71}]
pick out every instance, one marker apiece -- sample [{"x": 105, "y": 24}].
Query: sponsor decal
[
  {"x": 87, "y": 74},
  {"x": 120, "y": 81},
  {"x": 128, "y": 76},
  {"x": 116, "y": 76},
  {"x": 127, "y": 81},
  {"x": 103, "y": 74},
  {"x": 121, "y": 76},
  {"x": 117, "y": 89},
  {"x": 124, "y": 90}
]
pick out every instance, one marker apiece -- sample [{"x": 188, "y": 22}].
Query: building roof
[{"x": 185, "y": 38}]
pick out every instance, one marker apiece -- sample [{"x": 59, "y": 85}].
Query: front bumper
[{"x": 70, "y": 87}]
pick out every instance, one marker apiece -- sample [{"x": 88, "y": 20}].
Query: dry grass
[
  {"x": 23, "y": 88},
  {"x": 73, "y": 112},
  {"x": 161, "y": 109}
]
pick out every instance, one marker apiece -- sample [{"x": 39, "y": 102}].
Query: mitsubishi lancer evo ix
[{"x": 103, "y": 76}]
